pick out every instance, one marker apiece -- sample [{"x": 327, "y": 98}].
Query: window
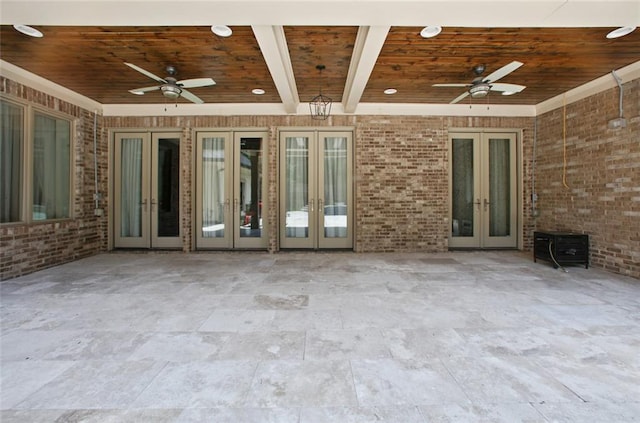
[
  {"x": 35, "y": 164},
  {"x": 11, "y": 164},
  {"x": 51, "y": 167}
]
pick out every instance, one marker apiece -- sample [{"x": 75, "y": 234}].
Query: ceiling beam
[
  {"x": 369, "y": 42},
  {"x": 273, "y": 45}
]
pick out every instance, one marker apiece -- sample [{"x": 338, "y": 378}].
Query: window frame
[
  {"x": 29, "y": 110},
  {"x": 21, "y": 154}
]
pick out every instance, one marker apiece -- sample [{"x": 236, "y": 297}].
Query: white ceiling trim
[
  {"x": 188, "y": 109},
  {"x": 368, "y": 45},
  {"x": 277, "y": 109},
  {"x": 469, "y": 13},
  {"x": 473, "y": 110},
  {"x": 273, "y": 45}
]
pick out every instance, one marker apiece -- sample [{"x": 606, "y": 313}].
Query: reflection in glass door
[
  {"x": 147, "y": 190},
  {"x": 230, "y": 185},
  {"x": 465, "y": 200},
  {"x": 316, "y": 190},
  {"x": 483, "y": 191}
]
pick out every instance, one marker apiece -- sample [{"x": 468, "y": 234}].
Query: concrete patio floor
[{"x": 319, "y": 337}]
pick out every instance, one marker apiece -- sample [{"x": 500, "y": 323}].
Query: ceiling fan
[
  {"x": 170, "y": 87},
  {"x": 480, "y": 86}
]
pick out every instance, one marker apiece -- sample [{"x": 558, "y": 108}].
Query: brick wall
[
  {"x": 401, "y": 172},
  {"x": 402, "y": 185},
  {"x": 25, "y": 248},
  {"x": 602, "y": 192},
  {"x": 400, "y": 181}
]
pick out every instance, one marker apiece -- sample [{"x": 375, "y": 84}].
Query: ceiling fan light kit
[
  {"x": 171, "y": 91},
  {"x": 479, "y": 90}
]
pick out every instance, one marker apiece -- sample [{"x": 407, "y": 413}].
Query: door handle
[
  {"x": 486, "y": 204},
  {"x": 477, "y": 203},
  {"x": 311, "y": 204},
  {"x": 153, "y": 204},
  {"x": 235, "y": 204},
  {"x": 144, "y": 204},
  {"x": 226, "y": 204}
]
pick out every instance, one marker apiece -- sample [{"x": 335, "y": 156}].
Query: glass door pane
[
  {"x": 334, "y": 206},
  {"x": 335, "y": 190},
  {"x": 168, "y": 188},
  {"x": 500, "y": 191},
  {"x": 165, "y": 191},
  {"x": 249, "y": 186},
  {"x": 297, "y": 187},
  {"x": 463, "y": 187},
  {"x": 297, "y": 193},
  {"x": 249, "y": 213},
  {"x": 213, "y": 199},
  {"x": 131, "y": 195},
  {"x": 499, "y": 184},
  {"x": 465, "y": 191},
  {"x": 132, "y": 203}
]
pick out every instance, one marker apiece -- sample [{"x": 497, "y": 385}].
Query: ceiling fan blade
[
  {"x": 503, "y": 71},
  {"x": 460, "y": 97},
  {"x": 196, "y": 82},
  {"x": 145, "y": 72},
  {"x": 451, "y": 85},
  {"x": 513, "y": 88},
  {"x": 192, "y": 98},
  {"x": 144, "y": 89}
]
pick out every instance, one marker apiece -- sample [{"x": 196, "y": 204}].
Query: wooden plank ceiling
[{"x": 90, "y": 61}]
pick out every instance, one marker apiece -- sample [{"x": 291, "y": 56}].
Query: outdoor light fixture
[
  {"x": 320, "y": 105},
  {"x": 171, "y": 91},
  {"x": 621, "y": 32},
  {"x": 28, "y": 30},
  {"x": 479, "y": 90},
  {"x": 221, "y": 30},
  {"x": 430, "y": 31}
]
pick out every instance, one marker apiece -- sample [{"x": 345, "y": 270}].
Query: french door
[
  {"x": 316, "y": 195},
  {"x": 484, "y": 203},
  {"x": 147, "y": 190},
  {"x": 230, "y": 182}
]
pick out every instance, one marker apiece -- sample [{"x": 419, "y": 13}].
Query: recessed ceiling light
[
  {"x": 430, "y": 31},
  {"x": 258, "y": 91},
  {"x": 27, "y": 30},
  {"x": 221, "y": 30},
  {"x": 390, "y": 91},
  {"x": 621, "y": 32}
]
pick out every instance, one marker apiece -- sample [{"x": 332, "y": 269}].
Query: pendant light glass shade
[{"x": 320, "y": 105}]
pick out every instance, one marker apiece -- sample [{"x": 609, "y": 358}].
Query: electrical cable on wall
[
  {"x": 96, "y": 194},
  {"x": 564, "y": 141}
]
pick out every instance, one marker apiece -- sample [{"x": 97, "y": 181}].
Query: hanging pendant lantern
[{"x": 320, "y": 105}]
